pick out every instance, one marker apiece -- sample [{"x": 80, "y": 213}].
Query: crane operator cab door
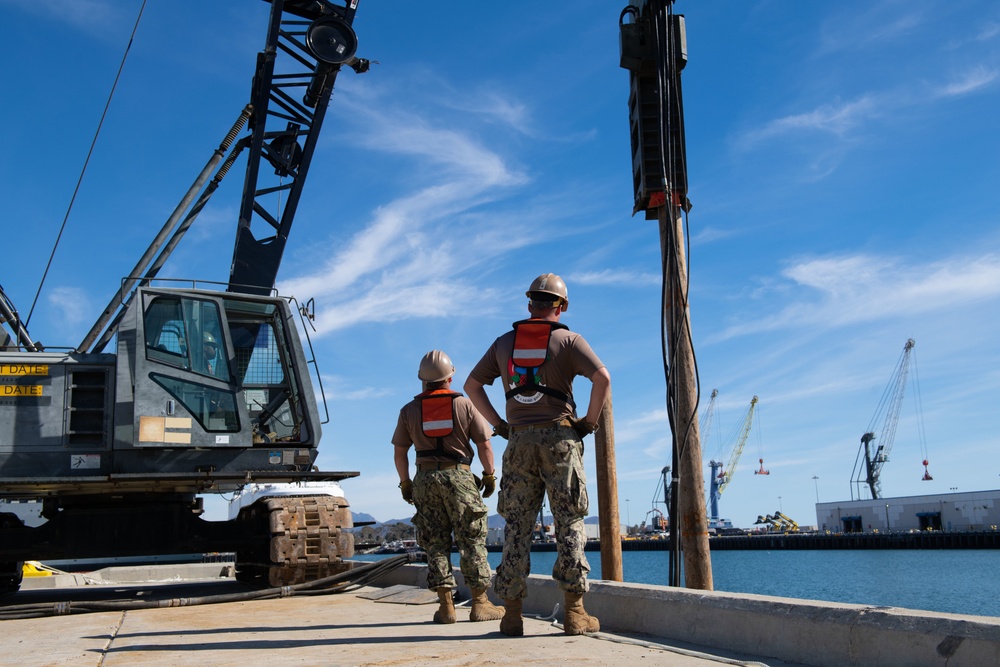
[{"x": 213, "y": 370}]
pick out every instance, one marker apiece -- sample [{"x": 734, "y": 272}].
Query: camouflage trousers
[
  {"x": 448, "y": 502},
  {"x": 547, "y": 460}
]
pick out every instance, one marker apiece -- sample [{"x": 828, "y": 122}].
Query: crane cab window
[
  {"x": 187, "y": 333},
  {"x": 263, "y": 365},
  {"x": 214, "y": 409}
]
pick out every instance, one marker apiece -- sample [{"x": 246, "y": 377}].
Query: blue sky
[{"x": 844, "y": 166}]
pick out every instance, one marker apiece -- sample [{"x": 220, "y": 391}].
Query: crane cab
[
  {"x": 204, "y": 387},
  {"x": 215, "y": 372}
]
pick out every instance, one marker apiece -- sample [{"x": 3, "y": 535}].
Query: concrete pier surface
[{"x": 389, "y": 623}]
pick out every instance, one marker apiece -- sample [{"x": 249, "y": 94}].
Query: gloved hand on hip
[
  {"x": 406, "y": 487},
  {"x": 583, "y": 428},
  {"x": 489, "y": 485}
]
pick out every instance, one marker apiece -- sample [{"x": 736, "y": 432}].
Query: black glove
[
  {"x": 489, "y": 485},
  {"x": 502, "y": 429},
  {"x": 583, "y": 428},
  {"x": 406, "y": 487}
]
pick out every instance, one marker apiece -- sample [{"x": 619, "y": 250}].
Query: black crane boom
[{"x": 307, "y": 43}]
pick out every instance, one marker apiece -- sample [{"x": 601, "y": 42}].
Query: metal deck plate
[{"x": 402, "y": 594}]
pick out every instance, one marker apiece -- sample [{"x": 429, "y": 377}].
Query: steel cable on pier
[{"x": 338, "y": 583}]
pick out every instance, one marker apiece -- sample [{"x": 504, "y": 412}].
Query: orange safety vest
[
  {"x": 531, "y": 348},
  {"x": 437, "y": 418}
]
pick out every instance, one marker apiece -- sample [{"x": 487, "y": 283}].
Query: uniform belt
[
  {"x": 442, "y": 466},
  {"x": 536, "y": 427}
]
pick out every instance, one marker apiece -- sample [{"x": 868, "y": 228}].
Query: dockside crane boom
[
  {"x": 708, "y": 421},
  {"x": 721, "y": 480},
  {"x": 874, "y": 451}
]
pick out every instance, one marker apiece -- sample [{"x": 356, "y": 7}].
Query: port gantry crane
[
  {"x": 870, "y": 459},
  {"x": 720, "y": 480}
]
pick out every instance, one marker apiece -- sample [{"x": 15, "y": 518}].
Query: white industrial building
[{"x": 950, "y": 512}]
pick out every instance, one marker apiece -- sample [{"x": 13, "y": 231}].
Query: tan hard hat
[
  {"x": 209, "y": 339},
  {"x": 435, "y": 367},
  {"x": 548, "y": 284}
]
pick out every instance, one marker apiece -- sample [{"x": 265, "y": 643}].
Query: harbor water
[{"x": 959, "y": 581}]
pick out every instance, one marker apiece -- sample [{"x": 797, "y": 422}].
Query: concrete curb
[{"x": 820, "y": 634}]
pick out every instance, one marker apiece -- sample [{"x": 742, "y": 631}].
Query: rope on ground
[
  {"x": 338, "y": 583},
  {"x": 550, "y": 617}
]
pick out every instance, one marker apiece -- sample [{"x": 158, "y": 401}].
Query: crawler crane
[{"x": 205, "y": 391}]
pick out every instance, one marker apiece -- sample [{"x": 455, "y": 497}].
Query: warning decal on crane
[
  {"x": 24, "y": 369},
  {"x": 20, "y": 390}
]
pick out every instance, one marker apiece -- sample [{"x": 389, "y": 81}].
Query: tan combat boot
[
  {"x": 482, "y": 608},
  {"x": 446, "y": 612},
  {"x": 577, "y": 620},
  {"x": 512, "y": 624}
]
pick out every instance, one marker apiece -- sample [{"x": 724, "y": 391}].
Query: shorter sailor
[{"x": 440, "y": 424}]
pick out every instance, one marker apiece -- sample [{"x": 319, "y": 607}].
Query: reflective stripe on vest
[
  {"x": 531, "y": 343},
  {"x": 531, "y": 349},
  {"x": 437, "y": 413}
]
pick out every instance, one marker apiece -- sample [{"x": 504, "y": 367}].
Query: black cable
[
  {"x": 90, "y": 152},
  {"x": 337, "y": 583},
  {"x": 674, "y": 284}
]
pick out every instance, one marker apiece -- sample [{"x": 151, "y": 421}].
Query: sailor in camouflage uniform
[
  {"x": 440, "y": 423},
  {"x": 537, "y": 362}
]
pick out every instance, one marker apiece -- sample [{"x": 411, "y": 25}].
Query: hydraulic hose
[{"x": 338, "y": 583}]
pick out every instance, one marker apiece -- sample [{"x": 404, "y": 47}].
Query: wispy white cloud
[
  {"x": 342, "y": 389},
  {"x": 988, "y": 31},
  {"x": 835, "y": 118},
  {"x": 403, "y": 263},
  {"x": 641, "y": 427},
  {"x": 94, "y": 16},
  {"x": 880, "y": 23},
  {"x": 492, "y": 105},
  {"x": 72, "y": 303},
  {"x": 615, "y": 277},
  {"x": 710, "y": 234},
  {"x": 969, "y": 81},
  {"x": 839, "y": 291}
]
